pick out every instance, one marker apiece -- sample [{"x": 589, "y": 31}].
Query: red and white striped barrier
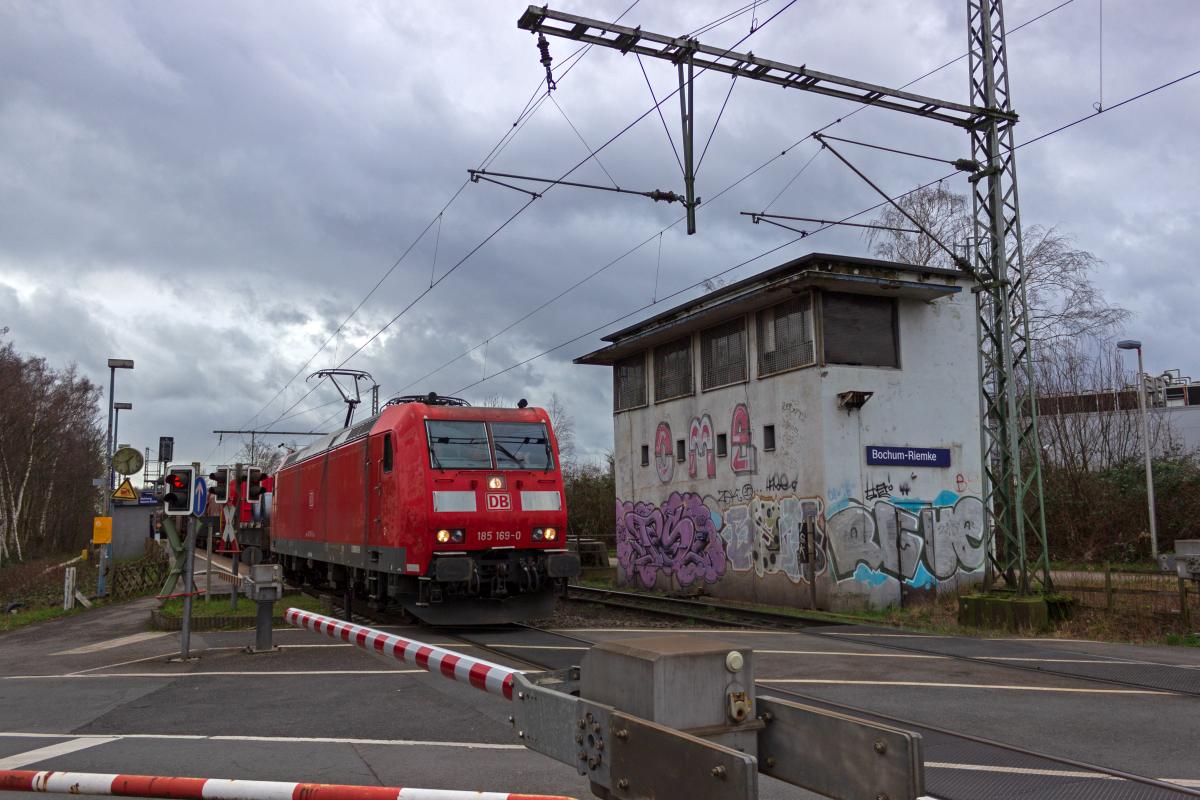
[
  {"x": 485, "y": 675},
  {"x": 224, "y": 789}
]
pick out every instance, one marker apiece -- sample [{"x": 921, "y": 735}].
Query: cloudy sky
[{"x": 211, "y": 189}]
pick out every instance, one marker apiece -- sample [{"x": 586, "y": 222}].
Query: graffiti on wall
[
  {"x": 664, "y": 454},
  {"x": 918, "y": 545},
  {"x": 678, "y": 539},
  {"x": 775, "y": 534},
  {"x": 742, "y": 452},
  {"x": 702, "y": 445}
]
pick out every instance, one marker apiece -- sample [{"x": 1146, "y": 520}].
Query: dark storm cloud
[{"x": 229, "y": 181}]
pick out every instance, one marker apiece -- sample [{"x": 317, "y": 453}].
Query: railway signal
[
  {"x": 254, "y": 487},
  {"x": 179, "y": 491},
  {"x": 222, "y": 481}
]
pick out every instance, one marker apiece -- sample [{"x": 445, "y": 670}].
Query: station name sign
[{"x": 879, "y": 455}]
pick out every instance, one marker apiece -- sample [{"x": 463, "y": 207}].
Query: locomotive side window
[
  {"x": 458, "y": 445},
  {"x": 522, "y": 445},
  {"x": 387, "y": 452}
]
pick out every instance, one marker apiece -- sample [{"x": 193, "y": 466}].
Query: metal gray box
[{"x": 694, "y": 683}]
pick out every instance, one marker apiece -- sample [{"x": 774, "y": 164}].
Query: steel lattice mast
[{"x": 1010, "y": 451}]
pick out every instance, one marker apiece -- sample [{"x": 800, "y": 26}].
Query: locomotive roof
[{"x": 361, "y": 429}]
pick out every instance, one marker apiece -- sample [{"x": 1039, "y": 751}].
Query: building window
[
  {"x": 785, "y": 336},
  {"x": 768, "y": 437},
  {"x": 673, "y": 370},
  {"x": 645, "y": 455},
  {"x": 629, "y": 383},
  {"x": 860, "y": 329},
  {"x": 723, "y": 354},
  {"x": 722, "y": 445},
  {"x": 680, "y": 450}
]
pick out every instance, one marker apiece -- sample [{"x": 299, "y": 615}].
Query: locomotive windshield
[
  {"x": 466, "y": 445},
  {"x": 521, "y": 445},
  {"x": 458, "y": 445}
]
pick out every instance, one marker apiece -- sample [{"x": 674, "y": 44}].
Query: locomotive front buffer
[{"x": 671, "y": 716}]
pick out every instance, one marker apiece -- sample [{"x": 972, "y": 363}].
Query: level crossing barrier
[
  {"x": 226, "y": 789},
  {"x": 491, "y": 678},
  {"x": 670, "y": 716}
]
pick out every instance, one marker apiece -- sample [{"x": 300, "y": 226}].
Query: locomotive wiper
[{"x": 437, "y": 462}]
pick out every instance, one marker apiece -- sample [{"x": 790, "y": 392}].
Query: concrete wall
[{"x": 731, "y": 525}]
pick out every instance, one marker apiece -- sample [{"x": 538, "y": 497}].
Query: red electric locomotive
[{"x": 456, "y": 512}]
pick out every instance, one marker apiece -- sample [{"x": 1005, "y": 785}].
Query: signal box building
[{"x": 808, "y": 436}]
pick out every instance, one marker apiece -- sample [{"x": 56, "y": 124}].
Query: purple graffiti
[{"x": 677, "y": 539}]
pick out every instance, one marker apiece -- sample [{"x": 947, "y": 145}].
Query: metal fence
[{"x": 1147, "y": 593}]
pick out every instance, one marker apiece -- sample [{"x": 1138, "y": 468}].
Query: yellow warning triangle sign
[{"x": 125, "y": 491}]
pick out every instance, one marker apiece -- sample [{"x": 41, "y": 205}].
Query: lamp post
[
  {"x": 1134, "y": 344},
  {"x": 117, "y": 409},
  {"x": 114, "y": 364}
]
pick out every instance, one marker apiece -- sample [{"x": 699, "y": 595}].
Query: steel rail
[{"x": 801, "y": 624}]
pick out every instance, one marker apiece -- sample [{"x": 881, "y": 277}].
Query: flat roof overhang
[{"x": 758, "y": 296}]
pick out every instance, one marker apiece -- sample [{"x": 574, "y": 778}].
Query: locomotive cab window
[
  {"x": 458, "y": 445},
  {"x": 387, "y": 452},
  {"x": 521, "y": 445}
]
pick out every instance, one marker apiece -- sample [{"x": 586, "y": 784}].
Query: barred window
[
  {"x": 723, "y": 354},
  {"x": 860, "y": 329},
  {"x": 629, "y": 383},
  {"x": 673, "y": 370},
  {"x": 785, "y": 336}
]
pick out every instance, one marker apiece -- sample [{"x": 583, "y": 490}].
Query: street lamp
[
  {"x": 117, "y": 409},
  {"x": 1134, "y": 344},
  {"x": 114, "y": 364}
]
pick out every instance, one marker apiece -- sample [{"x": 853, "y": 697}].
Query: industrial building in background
[{"x": 803, "y": 437}]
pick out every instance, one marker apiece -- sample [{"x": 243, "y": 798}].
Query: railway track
[{"x": 1142, "y": 675}]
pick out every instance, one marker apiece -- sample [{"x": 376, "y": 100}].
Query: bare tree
[
  {"x": 51, "y": 449},
  {"x": 1063, "y": 300},
  {"x": 564, "y": 429},
  {"x": 260, "y": 454}
]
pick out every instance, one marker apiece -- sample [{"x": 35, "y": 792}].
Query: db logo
[{"x": 499, "y": 502}]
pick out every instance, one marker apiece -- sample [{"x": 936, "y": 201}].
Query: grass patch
[
  {"x": 9, "y": 622},
  {"x": 219, "y": 606},
  {"x": 1183, "y": 640}
]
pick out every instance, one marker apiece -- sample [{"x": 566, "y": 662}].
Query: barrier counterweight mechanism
[
  {"x": 225, "y": 789},
  {"x": 693, "y": 729}
]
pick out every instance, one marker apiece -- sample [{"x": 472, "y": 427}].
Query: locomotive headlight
[
  {"x": 458, "y": 534},
  {"x": 443, "y": 536},
  {"x": 495, "y": 482},
  {"x": 538, "y": 533},
  {"x": 550, "y": 534}
]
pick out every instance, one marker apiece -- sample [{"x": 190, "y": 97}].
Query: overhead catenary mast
[{"x": 1011, "y": 456}]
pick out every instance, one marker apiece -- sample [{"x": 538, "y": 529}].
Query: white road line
[
  {"x": 843, "y": 653},
  {"x": 677, "y": 630},
  {"x": 53, "y": 751},
  {"x": 127, "y": 663},
  {"x": 1054, "y": 773},
  {"x": 963, "y": 686},
  {"x": 111, "y": 643},
  {"x": 889, "y": 635},
  {"x": 211, "y": 674},
  {"x": 268, "y": 739}
]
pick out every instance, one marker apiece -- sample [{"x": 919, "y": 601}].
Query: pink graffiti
[
  {"x": 664, "y": 456},
  {"x": 743, "y": 456},
  {"x": 679, "y": 539},
  {"x": 702, "y": 444}
]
